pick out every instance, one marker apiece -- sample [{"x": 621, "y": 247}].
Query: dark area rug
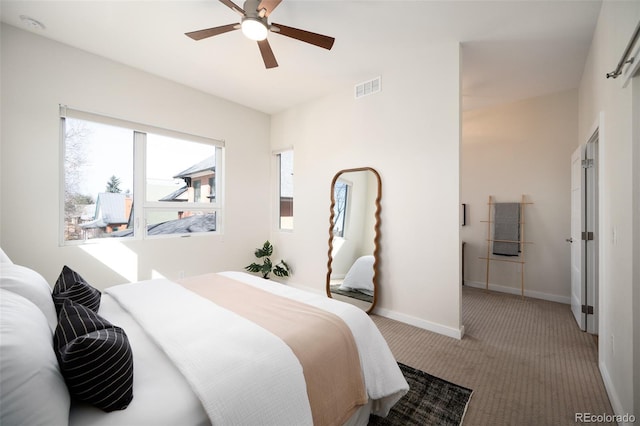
[{"x": 430, "y": 401}]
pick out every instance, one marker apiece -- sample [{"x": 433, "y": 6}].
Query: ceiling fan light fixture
[{"x": 254, "y": 29}]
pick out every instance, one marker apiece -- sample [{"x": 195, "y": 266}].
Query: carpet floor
[{"x": 525, "y": 359}]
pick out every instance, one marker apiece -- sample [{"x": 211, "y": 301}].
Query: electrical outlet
[{"x": 180, "y": 274}]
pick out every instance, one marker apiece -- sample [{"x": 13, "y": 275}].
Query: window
[
  {"x": 212, "y": 192},
  {"x": 341, "y": 193},
  {"x": 197, "y": 186},
  {"x": 285, "y": 195},
  {"x": 129, "y": 181}
]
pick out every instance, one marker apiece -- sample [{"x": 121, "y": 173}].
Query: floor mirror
[{"x": 354, "y": 232}]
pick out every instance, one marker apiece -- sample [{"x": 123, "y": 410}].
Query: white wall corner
[
  {"x": 421, "y": 323},
  {"x": 616, "y": 404}
]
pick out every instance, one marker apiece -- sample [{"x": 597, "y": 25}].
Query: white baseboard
[
  {"x": 421, "y": 323},
  {"x": 611, "y": 392},
  {"x": 407, "y": 319},
  {"x": 528, "y": 293}
]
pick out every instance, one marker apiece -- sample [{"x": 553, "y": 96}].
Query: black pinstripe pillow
[
  {"x": 95, "y": 358},
  {"x": 70, "y": 285}
]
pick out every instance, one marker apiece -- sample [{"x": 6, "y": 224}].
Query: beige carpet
[{"x": 525, "y": 359}]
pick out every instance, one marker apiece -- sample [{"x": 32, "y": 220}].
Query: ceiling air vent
[{"x": 367, "y": 88}]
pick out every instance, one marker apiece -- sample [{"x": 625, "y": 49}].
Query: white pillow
[
  {"x": 32, "y": 286},
  {"x": 360, "y": 276},
  {"x": 33, "y": 391},
  {"x": 3, "y": 257}
]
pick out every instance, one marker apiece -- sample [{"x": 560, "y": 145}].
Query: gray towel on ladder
[{"x": 506, "y": 227}]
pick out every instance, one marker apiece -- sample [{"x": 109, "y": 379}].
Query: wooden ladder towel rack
[{"x": 521, "y": 242}]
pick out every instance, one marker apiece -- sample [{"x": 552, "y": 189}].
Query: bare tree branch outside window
[
  {"x": 340, "y": 194},
  {"x": 75, "y": 162}
]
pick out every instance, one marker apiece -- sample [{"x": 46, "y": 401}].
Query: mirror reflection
[{"x": 353, "y": 236}]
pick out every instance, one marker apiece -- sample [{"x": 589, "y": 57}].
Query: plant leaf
[
  {"x": 254, "y": 267},
  {"x": 280, "y": 271},
  {"x": 266, "y": 250}
]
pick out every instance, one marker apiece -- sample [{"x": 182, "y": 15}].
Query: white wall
[
  {"x": 511, "y": 150},
  {"x": 605, "y": 103},
  {"x": 410, "y": 133},
  {"x": 37, "y": 75}
]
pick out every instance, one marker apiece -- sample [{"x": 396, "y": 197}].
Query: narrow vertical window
[
  {"x": 212, "y": 190},
  {"x": 197, "y": 191},
  {"x": 285, "y": 197},
  {"x": 341, "y": 194}
]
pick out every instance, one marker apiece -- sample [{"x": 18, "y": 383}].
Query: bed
[{"x": 196, "y": 358}]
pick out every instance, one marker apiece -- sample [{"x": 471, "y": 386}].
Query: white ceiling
[{"x": 512, "y": 49}]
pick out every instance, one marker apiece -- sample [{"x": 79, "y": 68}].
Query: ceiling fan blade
[
  {"x": 268, "y": 5},
  {"x": 209, "y": 32},
  {"x": 233, "y": 6},
  {"x": 319, "y": 40},
  {"x": 267, "y": 54}
]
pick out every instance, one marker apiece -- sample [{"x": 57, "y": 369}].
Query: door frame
[
  {"x": 577, "y": 226},
  {"x": 592, "y": 219},
  {"x": 585, "y": 235}
]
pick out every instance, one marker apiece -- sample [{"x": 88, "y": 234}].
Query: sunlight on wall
[
  {"x": 337, "y": 245},
  {"x": 155, "y": 275},
  {"x": 115, "y": 256}
]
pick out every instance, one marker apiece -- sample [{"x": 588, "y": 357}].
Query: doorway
[
  {"x": 635, "y": 148},
  {"x": 585, "y": 235}
]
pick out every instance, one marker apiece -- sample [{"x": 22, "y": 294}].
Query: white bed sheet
[
  {"x": 162, "y": 395},
  {"x": 242, "y": 373}
]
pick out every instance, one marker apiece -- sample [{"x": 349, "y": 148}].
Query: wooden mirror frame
[{"x": 376, "y": 231}]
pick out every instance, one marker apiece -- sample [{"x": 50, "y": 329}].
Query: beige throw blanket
[{"x": 321, "y": 341}]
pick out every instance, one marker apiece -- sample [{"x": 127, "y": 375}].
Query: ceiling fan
[{"x": 255, "y": 26}]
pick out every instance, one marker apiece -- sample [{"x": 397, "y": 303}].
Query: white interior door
[
  {"x": 590, "y": 245},
  {"x": 578, "y": 295}
]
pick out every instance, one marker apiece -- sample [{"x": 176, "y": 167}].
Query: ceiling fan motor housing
[{"x": 251, "y": 10}]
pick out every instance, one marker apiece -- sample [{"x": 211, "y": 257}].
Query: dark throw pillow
[
  {"x": 70, "y": 285},
  {"x": 95, "y": 358}
]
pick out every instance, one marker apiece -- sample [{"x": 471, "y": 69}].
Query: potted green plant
[{"x": 281, "y": 269}]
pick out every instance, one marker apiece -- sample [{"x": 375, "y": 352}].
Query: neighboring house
[
  {"x": 111, "y": 214},
  {"x": 179, "y": 195},
  {"x": 185, "y": 225},
  {"x": 200, "y": 182}
]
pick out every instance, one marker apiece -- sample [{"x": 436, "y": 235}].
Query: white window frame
[
  {"x": 140, "y": 204},
  {"x": 278, "y": 189}
]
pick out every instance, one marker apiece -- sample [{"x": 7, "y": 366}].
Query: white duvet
[{"x": 241, "y": 373}]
